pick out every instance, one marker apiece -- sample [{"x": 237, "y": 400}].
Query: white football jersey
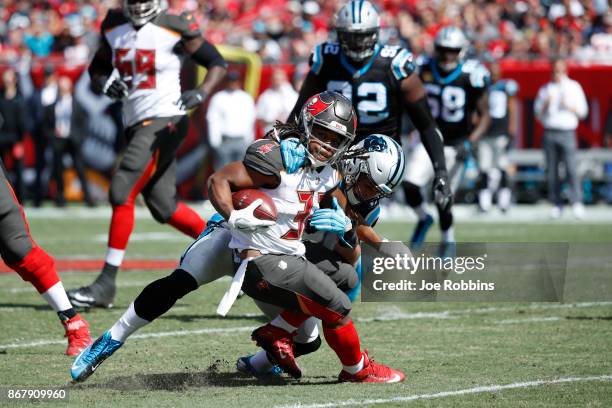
[
  {"x": 297, "y": 196},
  {"x": 148, "y": 62}
]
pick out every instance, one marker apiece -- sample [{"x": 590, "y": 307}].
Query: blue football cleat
[
  {"x": 447, "y": 249},
  {"x": 420, "y": 232},
  {"x": 244, "y": 366},
  {"x": 86, "y": 363}
]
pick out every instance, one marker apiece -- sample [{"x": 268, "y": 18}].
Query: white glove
[{"x": 245, "y": 219}]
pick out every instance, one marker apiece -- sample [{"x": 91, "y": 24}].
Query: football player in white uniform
[
  {"x": 139, "y": 62},
  {"x": 329, "y": 134},
  {"x": 371, "y": 169}
]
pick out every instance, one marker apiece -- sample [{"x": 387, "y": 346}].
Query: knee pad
[
  {"x": 38, "y": 268},
  {"x": 413, "y": 195},
  {"x": 301, "y": 349},
  {"x": 161, "y": 209}
]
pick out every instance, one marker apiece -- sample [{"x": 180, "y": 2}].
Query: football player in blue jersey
[
  {"x": 381, "y": 81},
  {"x": 457, "y": 92},
  {"x": 493, "y": 147}
]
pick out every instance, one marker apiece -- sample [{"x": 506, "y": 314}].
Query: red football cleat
[
  {"x": 372, "y": 372},
  {"x": 279, "y": 344},
  {"x": 77, "y": 331}
]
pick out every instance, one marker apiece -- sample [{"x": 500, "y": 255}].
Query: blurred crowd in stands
[{"x": 284, "y": 31}]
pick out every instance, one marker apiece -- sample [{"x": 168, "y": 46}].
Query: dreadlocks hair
[{"x": 281, "y": 131}]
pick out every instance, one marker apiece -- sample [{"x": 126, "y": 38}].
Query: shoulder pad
[
  {"x": 185, "y": 24},
  {"x": 264, "y": 156},
  {"x": 512, "y": 87},
  {"x": 479, "y": 74},
  {"x": 114, "y": 18},
  {"x": 402, "y": 64}
]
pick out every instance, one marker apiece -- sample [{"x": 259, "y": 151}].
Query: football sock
[
  {"x": 127, "y": 324},
  {"x": 114, "y": 256},
  {"x": 344, "y": 341},
  {"x": 504, "y": 198},
  {"x": 121, "y": 226},
  {"x": 308, "y": 331},
  {"x": 159, "y": 296},
  {"x": 283, "y": 324},
  {"x": 354, "y": 369},
  {"x": 421, "y": 212},
  {"x": 260, "y": 362},
  {"x": 38, "y": 268},
  {"x": 485, "y": 199},
  {"x": 448, "y": 235},
  {"x": 56, "y": 298},
  {"x": 187, "y": 221},
  {"x": 289, "y": 321}
]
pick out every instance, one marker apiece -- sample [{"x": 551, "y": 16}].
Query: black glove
[
  {"x": 191, "y": 99},
  {"x": 115, "y": 88},
  {"x": 443, "y": 196},
  {"x": 464, "y": 150}
]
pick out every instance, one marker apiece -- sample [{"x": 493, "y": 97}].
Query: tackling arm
[
  {"x": 415, "y": 102},
  {"x": 101, "y": 66}
]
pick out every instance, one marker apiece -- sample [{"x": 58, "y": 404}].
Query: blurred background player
[
  {"x": 456, "y": 90},
  {"x": 493, "y": 148},
  {"x": 34, "y": 265},
  {"x": 139, "y": 62},
  {"x": 381, "y": 82},
  {"x": 560, "y": 105},
  {"x": 276, "y": 102},
  {"x": 231, "y": 121}
]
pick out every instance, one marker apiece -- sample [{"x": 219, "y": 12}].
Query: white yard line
[
  {"x": 530, "y": 320},
  {"x": 175, "y": 333},
  {"x": 444, "y": 394}
]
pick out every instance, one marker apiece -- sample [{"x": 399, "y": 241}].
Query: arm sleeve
[
  {"x": 431, "y": 136},
  {"x": 208, "y": 56},
  {"x": 264, "y": 156}
]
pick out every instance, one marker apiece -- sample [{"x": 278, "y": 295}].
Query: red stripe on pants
[{"x": 122, "y": 221}]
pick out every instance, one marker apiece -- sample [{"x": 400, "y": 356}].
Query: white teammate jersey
[
  {"x": 149, "y": 62},
  {"x": 296, "y": 197}
]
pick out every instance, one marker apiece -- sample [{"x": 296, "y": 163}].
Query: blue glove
[
  {"x": 331, "y": 220},
  {"x": 294, "y": 154}
]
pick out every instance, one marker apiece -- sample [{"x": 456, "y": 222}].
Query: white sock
[
  {"x": 421, "y": 211},
  {"x": 448, "y": 235},
  {"x": 354, "y": 369},
  {"x": 308, "y": 331},
  {"x": 114, "y": 256},
  {"x": 56, "y": 298},
  {"x": 280, "y": 322},
  {"x": 504, "y": 198},
  {"x": 260, "y": 362},
  {"x": 127, "y": 324},
  {"x": 485, "y": 199}
]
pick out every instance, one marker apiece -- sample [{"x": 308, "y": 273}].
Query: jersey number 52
[{"x": 371, "y": 103}]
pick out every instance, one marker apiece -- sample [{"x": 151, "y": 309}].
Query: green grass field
[{"x": 454, "y": 354}]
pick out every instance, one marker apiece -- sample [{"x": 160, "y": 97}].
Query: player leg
[
  {"x": 504, "y": 193},
  {"x": 418, "y": 172},
  {"x": 205, "y": 260},
  {"x": 485, "y": 165},
  {"x": 303, "y": 290},
  {"x": 34, "y": 265},
  {"x": 307, "y": 339},
  {"x": 447, "y": 244}
]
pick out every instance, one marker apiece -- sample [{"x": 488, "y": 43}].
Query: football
[{"x": 266, "y": 211}]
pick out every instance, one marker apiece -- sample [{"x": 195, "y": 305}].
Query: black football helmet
[
  {"x": 142, "y": 11},
  {"x": 324, "y": 112}
]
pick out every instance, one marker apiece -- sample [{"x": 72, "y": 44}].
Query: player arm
[
  {"x": 233, "y": 177},
  {"x": 206, "y": 55},
  {"x": 512, "y": 117},
  {"x": 101, "y": 66},
  {"x": 415, "y": 103},
  {"x": 482, "y": 105}
]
